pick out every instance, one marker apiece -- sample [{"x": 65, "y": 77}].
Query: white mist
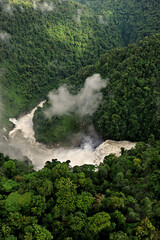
[{"x": 22, "y": 138}]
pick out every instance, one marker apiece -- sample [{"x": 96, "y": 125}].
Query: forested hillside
[
  {"x": 130, "y": 108},
  {"x": 44, "y": 44},
  {"x": 131, "y": 105},
  {"x": 41, "y": 43},
  {"x": 120, "y": 200},
  {"x": 134, "y": 19}
]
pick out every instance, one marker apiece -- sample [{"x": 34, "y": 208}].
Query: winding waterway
[{"x": 22, "y": 138}]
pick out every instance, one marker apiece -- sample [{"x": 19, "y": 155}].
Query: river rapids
[{"x": 22, "y": 138}]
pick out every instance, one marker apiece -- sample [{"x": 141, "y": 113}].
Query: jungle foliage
[
  {"x": 131, "y": 105},
  {"x": 130, "y": 108},
  {"x": 119, "y": 199},
  {"x": 134, "y": 19},
  {"x": 41, "y": 43},
  {"x": 45, "y": 44}
]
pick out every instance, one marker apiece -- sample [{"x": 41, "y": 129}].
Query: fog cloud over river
[
  {"x": 22, "y": 139},
  {"x": 21, "y": 142}
]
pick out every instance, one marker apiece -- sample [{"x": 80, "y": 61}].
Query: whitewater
[{"x": 22, "y": 138}]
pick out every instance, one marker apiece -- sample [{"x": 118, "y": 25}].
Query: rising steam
[
  {"x": 21, "y": 144},
  {"x": 102, "y": 21},
  {"x": 4, "y": 36},
  {"x": 44, "y": 6},
  {"x": 84, "y": 103},
  {"x": 79, "y": 13}
]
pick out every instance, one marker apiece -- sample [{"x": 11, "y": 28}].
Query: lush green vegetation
[
  {"x": 120, "y": 200},
  {"x": 131, "y": 101},
  {"x": 59, "y": 129},
  {"x": 42, "y": 43},
  {"x": 131, "y": 105},
  {"x": 134, "y": 19},
  {"x": 39, "y": 47},
  {"x": 45, "y": 44}
]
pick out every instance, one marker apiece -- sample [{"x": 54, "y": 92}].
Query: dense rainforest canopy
[
  {"x": 44, "y": 44},
  {"x": 131, "y": 104},
  {"x": 120, "y": 200},
  {"x": 40, "y": 46},
  {"x": 134, "y": 19},
  {"x": 130, "y": 108}
]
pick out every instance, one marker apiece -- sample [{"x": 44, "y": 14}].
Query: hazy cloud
[
  {"x": 102, "y": 21},
  {"x": 7, "y": 8},
  {"x": 84, "y": 103},
  {"x": 22, "y": 9},
  {"x": 79, "y": 13},
  {"x": 4, "y": 36},
  {"x": 44, "y": 7}
]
